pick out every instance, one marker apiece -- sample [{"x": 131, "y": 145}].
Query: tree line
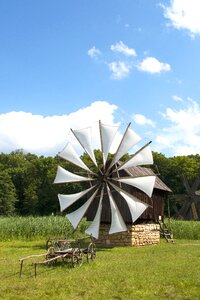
[{"x": 26, "y": 180}]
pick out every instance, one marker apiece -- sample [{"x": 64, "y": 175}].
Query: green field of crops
[
  {"x": 164, "y": 271},
  {"x": 31, "y": 228}
]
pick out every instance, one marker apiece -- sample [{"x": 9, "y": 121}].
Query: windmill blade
[
  {"x": 93, "y": 229},
  {"x": 144, "y": 183},
  {"x": 84, "y": 138},
  {"x": 67, "y": 200},
  {"x": 136, "y": 207},
  {"x": 142, "y": 157},
  {"x": 68, "y": 153},
  {"x": 194, "y": 211},
  {"x": 64, "y": 176},
  {"x": 195, "y": 185},
  {"x": 186, "y": 184},
  {"x": 117, "y": 222},
  {"x": 76, "y": 216},
  {"x": 107, "y": 134},
  {"x": 129, "y": 139}
]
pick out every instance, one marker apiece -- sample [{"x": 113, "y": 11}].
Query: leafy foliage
[
  {"x": 7, "y": 194},
  {"x": 26, "y": 180}
]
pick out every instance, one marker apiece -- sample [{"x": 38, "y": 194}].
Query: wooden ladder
[{"x": 166, "y": 231}]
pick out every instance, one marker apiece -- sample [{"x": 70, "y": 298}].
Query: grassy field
[{"x": 165, "y": 271}]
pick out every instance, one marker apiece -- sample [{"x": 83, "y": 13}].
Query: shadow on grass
[
  {"x": 104, "y": 249},
  {"x": 23, "y": 245}
]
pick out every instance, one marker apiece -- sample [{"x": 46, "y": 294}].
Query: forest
[{"x": 26, "y": 180}]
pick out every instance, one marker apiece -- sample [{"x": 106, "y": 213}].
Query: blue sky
[{"x": 67, "y": 64}]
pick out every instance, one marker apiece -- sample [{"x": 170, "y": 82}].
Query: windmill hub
[{"x": 102, "y": 178}]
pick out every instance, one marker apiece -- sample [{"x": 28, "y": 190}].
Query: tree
[{"x": 7, "y": 194}]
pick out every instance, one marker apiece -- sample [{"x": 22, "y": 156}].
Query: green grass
[
  {"x": 165, "y": 271},
  {"x": 186, "y": 229},
  {"x": 32, "y": 228}
]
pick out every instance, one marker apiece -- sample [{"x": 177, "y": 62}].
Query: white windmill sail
[
  {"x": 64, "y": 176},
  {"x": 107, "y": 134},
  {"x": 117, "y": 222},
  {"x": 93, "y": 229},
  {"x": 67, "y": 200},
  {"x": 70, "y": 154},
  {"x": 129, "y": 139},
  {"x": 84, "y": 138},
  {"x": 76, "y": 216},
  {"x": 136, "y": 207},
  {"x": 142, "y": 157},
  {"x": 103, "y": 177},
  {"x": 144, "y": 183}
]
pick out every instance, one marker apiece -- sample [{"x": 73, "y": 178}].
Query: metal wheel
[{"x": 91, "y": 252}]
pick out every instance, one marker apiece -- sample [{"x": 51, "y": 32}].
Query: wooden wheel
[
  {"x": 77, "y": 258},
  {"x": 91, "y": 252}
]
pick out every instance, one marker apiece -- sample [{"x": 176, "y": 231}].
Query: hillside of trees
[{"x": 26, "y": 180}]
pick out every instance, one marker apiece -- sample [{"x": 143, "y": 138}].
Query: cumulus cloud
[
  {"x": 122, "y": 68},
  {"x": 152, "y": 65},
  {"x": 94, "y": 52},
  {"x": 47, "y": 135},
  {"x": 119, "y": 69},
  {"x": 124, "y": 49},
  {"x": 142, "y": 120},
  {"x": 184, "y": 14},
  {"x": 182, "y": 135}
]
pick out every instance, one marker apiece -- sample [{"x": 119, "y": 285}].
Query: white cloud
[
  {"x": 182, "y": 136},
  {"x": 94, "y": 52},
  {"x": 122, "y": 48},
  {"x": 48, "y": 135},
  {"x": 184, "y": 14},
  {"x": 119, "y": 69},
  {"x": 152, "y": 65},
  {"x": 142, "y": 120},
  {"x": 176, "y": 98}
]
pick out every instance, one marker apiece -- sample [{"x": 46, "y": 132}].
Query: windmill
[
  {"x": 106, "y": 179},
  {"x": 190, "y": 208}
]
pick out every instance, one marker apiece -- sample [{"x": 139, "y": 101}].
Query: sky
[{"x": 68, "y": 64}]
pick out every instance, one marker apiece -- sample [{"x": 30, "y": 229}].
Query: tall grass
[
  {"x": 186, "y": 229},
  {"x": 29, "y": 228}
]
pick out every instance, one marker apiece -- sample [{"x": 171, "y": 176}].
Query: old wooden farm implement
[{"x": 63, "y": 250}]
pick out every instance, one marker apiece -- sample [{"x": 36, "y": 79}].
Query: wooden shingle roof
[{"x": 141, "y": 171}]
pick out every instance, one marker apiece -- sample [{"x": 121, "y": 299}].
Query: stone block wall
[{"x": 137, "y": 235}]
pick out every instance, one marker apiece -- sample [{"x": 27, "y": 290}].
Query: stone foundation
[{"x": 137, "y": 235}]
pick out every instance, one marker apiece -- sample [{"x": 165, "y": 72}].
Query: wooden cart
[
  {"x": 69, "y": 251},
  {"x": 85, "y": 246}
]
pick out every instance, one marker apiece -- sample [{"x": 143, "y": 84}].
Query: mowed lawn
[{"x": 165, "y": 271}]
